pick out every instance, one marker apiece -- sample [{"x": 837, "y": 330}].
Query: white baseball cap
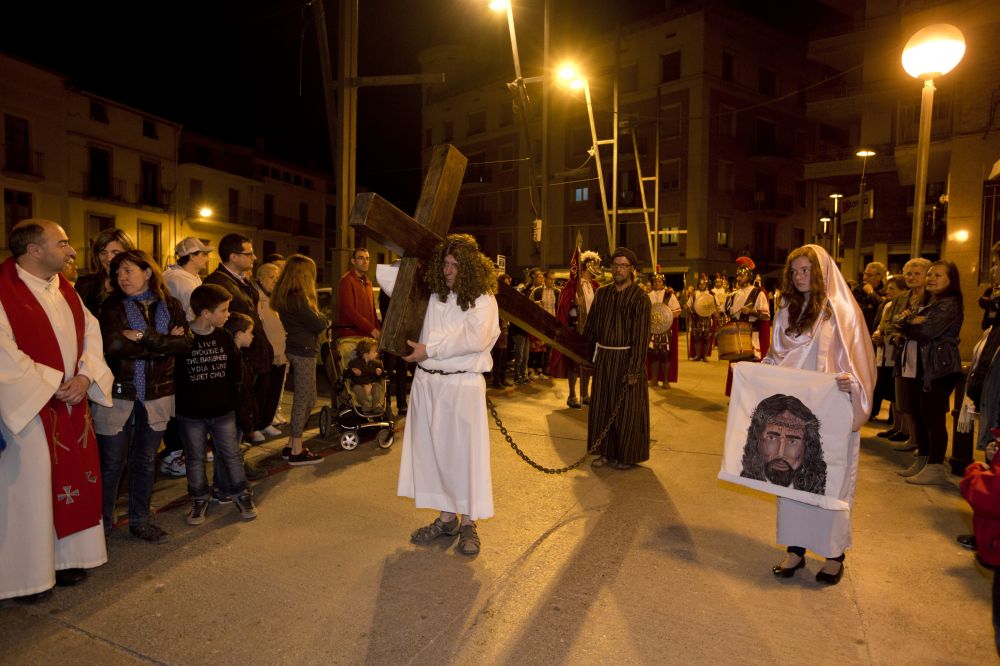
[{"x": 190, "y": 245}]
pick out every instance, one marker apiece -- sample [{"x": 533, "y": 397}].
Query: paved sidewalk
[{"x": 662, "y": 564}]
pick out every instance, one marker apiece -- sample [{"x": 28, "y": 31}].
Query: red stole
[{"x": 76, "y": 468}]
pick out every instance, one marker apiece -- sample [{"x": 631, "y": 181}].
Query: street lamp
[
  {"x": 864, "y": 154},
  {"x": 836, "y": 196},
  {"x": 570, "y": 77},
  {"x": 205, "y": 211},
  {"x": 932, "y": 51}
]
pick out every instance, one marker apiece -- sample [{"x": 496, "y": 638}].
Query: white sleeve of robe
[{"x": 474, "y": 334}]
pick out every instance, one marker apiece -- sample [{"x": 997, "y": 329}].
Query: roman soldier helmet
[
  {"x": 745, "y": 266},
  {"x": 591, "y": 261}
]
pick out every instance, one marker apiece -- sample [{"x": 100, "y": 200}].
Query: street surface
[{"x": 662, "y": 564}]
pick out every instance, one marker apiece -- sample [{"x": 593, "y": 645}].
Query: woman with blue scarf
[{"x": 143, "y": 329}]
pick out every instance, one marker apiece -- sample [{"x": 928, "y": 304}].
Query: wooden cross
[{"x": 414, "y": 238}]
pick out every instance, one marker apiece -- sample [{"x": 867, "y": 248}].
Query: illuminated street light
[
  {"x": 864, "y": 154},
  {"x": 205, "y": 211},
  {"x": 931, "y": 52},
  {"x": 569, "y": 76},
  {"x": 836, "y": 196}
]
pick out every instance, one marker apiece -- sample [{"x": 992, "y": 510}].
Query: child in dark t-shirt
[
  {"x": 365, "y": 372},
  {"x": 208, "y": 382}
]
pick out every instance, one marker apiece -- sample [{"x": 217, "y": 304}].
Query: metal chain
[{"x": 551, "y": 470}]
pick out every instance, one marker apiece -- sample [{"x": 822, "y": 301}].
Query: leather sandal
[
  {"x": 468, "y": 540},
  {"x": 438, "y": 528}
]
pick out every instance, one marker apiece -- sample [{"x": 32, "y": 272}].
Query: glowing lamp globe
[{"x": 933, "y": 51}]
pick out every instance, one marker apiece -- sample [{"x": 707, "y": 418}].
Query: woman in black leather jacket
[
  {"x": 143, "y": 329},
  {"x": 935, "y": 327}
]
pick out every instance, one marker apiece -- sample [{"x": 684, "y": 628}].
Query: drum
[
  {"x": 660, "y": 318},
  {"x": 735, "y": 341},
  {"x": 704, "y": 305}
]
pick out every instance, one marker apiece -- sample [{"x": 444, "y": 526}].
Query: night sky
[{"x": 231, "y": 68}]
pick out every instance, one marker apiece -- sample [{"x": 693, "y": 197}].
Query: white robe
[
  {"x": 30, "y": 552},
  {"x": 445, "y": 464},
  {"x": 838, "y": 344}
]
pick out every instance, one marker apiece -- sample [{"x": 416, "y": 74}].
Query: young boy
[
  {"x": 366, "y": 375},
  {"x": 240, "y": 326},
  {"x": 207, "y": 397}
]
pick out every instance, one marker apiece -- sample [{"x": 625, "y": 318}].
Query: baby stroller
[{"x": 346, "y": 416}]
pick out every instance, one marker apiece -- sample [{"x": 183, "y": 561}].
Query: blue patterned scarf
[{"x": 137, "y": 322}]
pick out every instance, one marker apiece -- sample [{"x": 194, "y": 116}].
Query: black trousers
[{"x": 267, "y": 396}]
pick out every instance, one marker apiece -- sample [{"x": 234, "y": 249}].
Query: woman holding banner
[{"x": 819, "y": 327}]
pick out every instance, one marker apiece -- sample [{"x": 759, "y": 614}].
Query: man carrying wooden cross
[{"x": 445, "y": 463}]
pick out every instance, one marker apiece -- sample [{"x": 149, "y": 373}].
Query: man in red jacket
[{"x": 356, "y": 310}]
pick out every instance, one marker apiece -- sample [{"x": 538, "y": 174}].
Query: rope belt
[
  {"x": 599, "y": 347},
  {"x": 445, "y": 372}
]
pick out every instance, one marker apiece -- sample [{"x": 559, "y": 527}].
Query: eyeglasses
[{"x": 246, "y": 254}]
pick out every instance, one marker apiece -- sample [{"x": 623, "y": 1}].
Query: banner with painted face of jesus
[{"x": 787, "y": 434}]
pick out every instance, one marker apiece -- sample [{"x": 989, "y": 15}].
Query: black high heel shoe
[
  {"x": 787, "y": 572},
  {"x": 830, "y": 579}
]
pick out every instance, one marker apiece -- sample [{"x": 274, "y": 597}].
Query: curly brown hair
[
  {"x": 803, "y": 314},
  {"x": 476, "y": 273}
]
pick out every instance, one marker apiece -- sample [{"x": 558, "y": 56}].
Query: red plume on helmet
[{"x": 744, "y": 265}]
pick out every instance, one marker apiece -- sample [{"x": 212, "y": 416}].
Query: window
[
  {"x": 195, "y": 192},
  {"x": 94, "y": 225},
  {"x": 275, "y": 173},
  {"x": 506, "y": 203},
  {"x": 670, "y": 230},
  {"x": 149, "y": 129},
  {"x": 990, "y": 233},
  {"x": 149, "y": 239},
  {"x": 727, "y": 66},
  {"x": 727, "y": 121},
  {"x": 268, "y": 211},
  {"x": 767, "y": 82},
  {"x": 304, "y": 218},
  {"x": 765, "y": 141},
  {"x": 670, "y": 117},
  {"x": 449, "y": 131},
  {"x": 17, "y": 151},
  {"x": 507, "y": 157},
  {"x": 506, "y": 115},
  {"x": 98, "y": 112},
  {"x": 99, "y": 178},
  {"x": 724, "y": 232},
  {"x": 16, "y": 207},
  {"x": 628, "y": 79},
  {"x": 670, "y": 175},
  {"x": 581, "y": 194},
  {"x": 477, "y": 171},
  {"x": 763, "y": 242},
  {"x": 580, "y": 141},
  {"x": 476, "y": 123},
  {"x": 234, "y": 205},
  {"x": 285, "y": 176},
  {"x": 670, "y": 67},
  {"x": 765, "y": 191},
  {"x": 307, "y": 183},
  {"x": 798, "y": 237},
  {"x": 149, "y": 189},
  {"x": 727, "y": 176},
  {"x": 297, "y": 180}
]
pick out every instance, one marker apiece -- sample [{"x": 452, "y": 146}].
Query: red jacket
[
  {"x": 356, "y": 309},
  {"x": 981, "y": 489}
]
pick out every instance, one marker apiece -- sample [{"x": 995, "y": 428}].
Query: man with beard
[
  {"x": 784, "y": 447},
  {"x": 618, "y": 325}
]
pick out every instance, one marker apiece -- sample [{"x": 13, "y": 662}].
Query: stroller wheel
[
  {"x": 384, "y": 438},
  {"x": 349, "y": 440},
  {"x": 325, "y": 421}
]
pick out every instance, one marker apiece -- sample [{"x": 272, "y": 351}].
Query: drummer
[
  {"x": 702, "y": 310},
  {"x": 661, "y": 359},
  {"x": 748, "y": 303}
]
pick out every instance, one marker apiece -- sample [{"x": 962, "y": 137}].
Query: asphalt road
[{"x": 662, "y": 564}]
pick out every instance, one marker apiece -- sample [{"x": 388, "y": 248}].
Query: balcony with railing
[
  {"x": 100, "y": 185},
  {"x": 152, "y": 197},
  {"x": 20, "y": 162}
]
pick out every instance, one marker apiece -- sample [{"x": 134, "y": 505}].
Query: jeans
[
  {"x": 520, "y": 356},
  {"x": 230, "y": 478},
  {"x": 141, "y": 455}
]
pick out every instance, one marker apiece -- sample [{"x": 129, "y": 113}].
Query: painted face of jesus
[{"x": 783, "y": 446}]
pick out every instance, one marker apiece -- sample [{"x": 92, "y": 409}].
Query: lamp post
[
  {"x": 569, "y": 76},
  {"x": 836, "y": 196},
  {"x": 933, "y": 51},
  {"x": 864, "y": 154}
]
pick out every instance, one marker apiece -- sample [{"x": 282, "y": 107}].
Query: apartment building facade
[{"x": 708, "y": 92}]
